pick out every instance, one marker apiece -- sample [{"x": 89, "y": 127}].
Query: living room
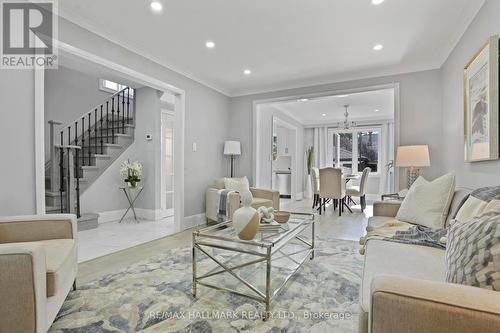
[{"x": 418, "y": 254}]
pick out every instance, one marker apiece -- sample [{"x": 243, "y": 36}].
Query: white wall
[
  {"x": 17, "y": 138},
  {"x": 485, "y": 24},
  {"x": 420, "y": 110}
]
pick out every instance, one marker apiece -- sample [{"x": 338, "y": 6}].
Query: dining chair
[
  {"x": 315, "y": 186},
  {"x": 332, "y": 186},
  {"x": 360, "y": 191}
]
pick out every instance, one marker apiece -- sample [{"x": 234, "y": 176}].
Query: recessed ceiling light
[
  {"x": 303, "y": 100},
  {"x": 377, "y": 2},
  {"x": 156, "y": 6},
  {"x": 324, "y": 114},
  {"x": 377, "y": 110},
  {"x": 378, "y": 47},
  {"x": 247, "y": 72},
  {"x": 209, "y": 44}
]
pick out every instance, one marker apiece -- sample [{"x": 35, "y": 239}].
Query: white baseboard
[
  {"x": 194, "y": 220},
  {"x": 110, "y": 216},
  {"x": 149, "y": 214},
  {"x": 116, "y": 215}
]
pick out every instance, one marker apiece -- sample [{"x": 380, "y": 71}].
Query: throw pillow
[
  {"x": 237, "y": 184},
  {"x": 471, "y": 207},
  {"x": 473, "y": 251},
  {"x": 428, "y": 203},
  {"x": 492, "y": 205},
  {"x": 220, "y": 184}
]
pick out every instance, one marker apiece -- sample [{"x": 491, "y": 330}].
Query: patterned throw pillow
[{"x": 473, "y": 251}]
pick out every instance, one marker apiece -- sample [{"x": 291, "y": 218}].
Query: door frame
[
  {"x": 295, "y": 160},
  {"x": 257, "y": 103},
  {"x": 127, "y": 73}
]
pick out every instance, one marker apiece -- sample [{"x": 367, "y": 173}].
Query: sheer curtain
[
  {"x": 386, "y": 154},
  {"x": 320, "y": 145}
]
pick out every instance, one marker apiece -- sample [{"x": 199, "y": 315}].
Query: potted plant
[
  {"x": 309, "y": 161},
  {"x": 132, "y": 172}
]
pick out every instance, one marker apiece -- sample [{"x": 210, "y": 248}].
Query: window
[
  {"x": 355, "y": 149},
  {"x": 113, "y": 87},
  {"x": 368, "y": 149}
]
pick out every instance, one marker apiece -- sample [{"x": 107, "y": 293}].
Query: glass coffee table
[{"x": 257, "y": 269}]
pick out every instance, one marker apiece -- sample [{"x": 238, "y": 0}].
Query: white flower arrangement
[{"x": 131, "y": 172}]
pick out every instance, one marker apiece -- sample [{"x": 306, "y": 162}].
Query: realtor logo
[{"x": 27, "y": 34}]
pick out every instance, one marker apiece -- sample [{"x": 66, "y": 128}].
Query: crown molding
[{"x": 92, "y": 27}]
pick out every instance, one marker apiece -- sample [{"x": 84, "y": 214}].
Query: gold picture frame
[{"x": 481, "y": 104}]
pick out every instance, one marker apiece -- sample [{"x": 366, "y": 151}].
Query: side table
[{"x": 131, "y": 199}]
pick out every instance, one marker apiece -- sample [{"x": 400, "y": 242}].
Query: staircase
[{"x": 82, "y": 150}]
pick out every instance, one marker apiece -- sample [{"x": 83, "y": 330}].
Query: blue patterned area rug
[{"x": 155, "y": 296}]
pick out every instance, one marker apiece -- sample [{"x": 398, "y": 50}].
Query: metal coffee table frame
[{"x": 204, "y": 238}]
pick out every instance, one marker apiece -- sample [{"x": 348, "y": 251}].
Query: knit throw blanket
[
  {"x": 223, "y": 205},
  {"x": 420, "y": 235}
]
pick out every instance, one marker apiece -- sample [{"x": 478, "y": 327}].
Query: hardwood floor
[{"x": 350, "y": 226}]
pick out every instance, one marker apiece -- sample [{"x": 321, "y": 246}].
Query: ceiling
[
  {"x": 363, "y": 107},
  {"x": 285, "y": 43}
]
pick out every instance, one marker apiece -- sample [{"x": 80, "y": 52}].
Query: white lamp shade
[
  {"x": 232, "y": 148},
  {"x": 413, "y": 156}
]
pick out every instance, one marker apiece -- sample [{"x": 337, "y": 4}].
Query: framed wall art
[{"x": 481, "y": 108}]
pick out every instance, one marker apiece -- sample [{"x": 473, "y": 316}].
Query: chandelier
[{"x": 346, "y": 124}]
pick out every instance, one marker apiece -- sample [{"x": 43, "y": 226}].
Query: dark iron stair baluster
[
  {"x": 128, "y": 105},
  {"x": 118, "y": 111},
  {"x": 95, "y": 131},
  {"x": 77, "y": 172},
  {"x": 113, "y": 120},
  {"x": 77, "y": 177},
  {"x": 90, "y": 143},
  {"x": 83, "y": 141},
  {"x": 102, "y": 143},
  {"x": 61, "y": 173},
  {"x": 107, "y": 121},
  {"x": 123, "y": 111}
]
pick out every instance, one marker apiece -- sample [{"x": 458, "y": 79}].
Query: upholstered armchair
[
  {"x": 261, "y": 197},
  {"x": 360, "y": 191},
  {"x": 38, "y": 265}
]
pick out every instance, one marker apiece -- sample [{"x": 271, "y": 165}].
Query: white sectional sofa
[{"x": 404, "y": 290}]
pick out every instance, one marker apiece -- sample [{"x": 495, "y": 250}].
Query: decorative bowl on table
[{"x": 281, "y": 216}]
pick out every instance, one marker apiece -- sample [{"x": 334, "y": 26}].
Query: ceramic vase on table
[{"x": 246, "y": 219}]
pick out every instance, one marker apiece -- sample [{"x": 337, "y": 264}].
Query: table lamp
[
  {"x": 413, "y": 158},
  {"x": 232, "y": 149}
]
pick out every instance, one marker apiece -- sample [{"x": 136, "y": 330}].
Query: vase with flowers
[{"x": 132, "y": 172}]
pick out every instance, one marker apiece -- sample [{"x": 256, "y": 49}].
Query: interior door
[{"x": 167, "y": 188}]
